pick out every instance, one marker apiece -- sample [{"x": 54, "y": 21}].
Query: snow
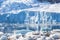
[{"x": 54, "y": 8}]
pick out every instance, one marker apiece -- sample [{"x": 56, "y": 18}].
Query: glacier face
[
  {"x": 19, "y": 11},
  {"x": 18, "y": 18},
  {"x": 25, "y": 14}
]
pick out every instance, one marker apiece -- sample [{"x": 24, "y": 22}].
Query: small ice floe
[
  {"x": 1, "y": 33},
  {"x": 32, "y": 35},
  {"x": 55, "y": 36},
  {"x": 55, "y": 31},
  {"x": 3, "y": 37},
  {"x": 15, "y": 37},
  {"x": 12, "y": 37},
  {"x": 48, "y": 38},
  {"x": 41, "y": 38},
  {"x": 20, "y": 38}
]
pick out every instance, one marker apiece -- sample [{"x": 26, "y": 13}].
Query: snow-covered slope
[{"x": 9, "y": 5}]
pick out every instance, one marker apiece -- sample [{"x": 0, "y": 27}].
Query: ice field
[{"x": 29, "y": 20}]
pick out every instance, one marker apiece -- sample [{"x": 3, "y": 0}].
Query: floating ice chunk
[
  {"x": 3, "y": 37},
  {"x": 1, "y": 33},
  {"x": 21, "y": 38},
  {"x": 32, "y": 35},
  {"x": 55, "y": 31},
  {"x": 39, "y": 39},
  {"x": 12, "y": 37},
  {"x": 55, "y": 36}
]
